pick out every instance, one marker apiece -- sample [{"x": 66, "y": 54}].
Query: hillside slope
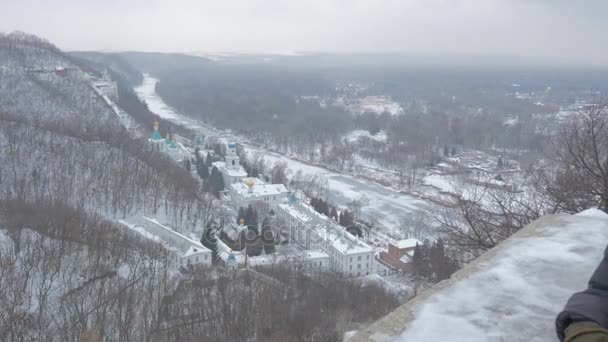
[{"x": 70, "y": 171}]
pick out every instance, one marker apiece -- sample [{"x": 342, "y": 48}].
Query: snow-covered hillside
[{"x": 512, "y": 293}]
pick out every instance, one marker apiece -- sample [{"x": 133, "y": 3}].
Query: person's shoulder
[{"x": 586, "y": 332}]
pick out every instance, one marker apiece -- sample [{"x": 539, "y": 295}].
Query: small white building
[
  {"x": 188, "y": 252},
  {"x": 316, "y": 259}
]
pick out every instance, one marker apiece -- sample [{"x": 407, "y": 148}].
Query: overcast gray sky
[{"x": 568, "y": 29}]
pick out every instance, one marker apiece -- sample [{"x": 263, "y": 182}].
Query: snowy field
[
  {"x": 379, "y": 203},
  {"x": 355, "y": 135},
  {"x": 512, "y": 293},
  {"x": 374, "y": 104}
]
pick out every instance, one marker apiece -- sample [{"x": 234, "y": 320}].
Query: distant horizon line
[{"x": 420, "y": 58}]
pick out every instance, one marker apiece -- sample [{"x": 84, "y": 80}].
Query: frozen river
[{"x": 385, "y": 205}]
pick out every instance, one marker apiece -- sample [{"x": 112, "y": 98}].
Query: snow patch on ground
[
  {"x": 355, "y": 135},
  {"x": 397, "y": 285},
  {"x": 516, "y": 293},
  {"x": 441, "y": 182},
  {"x": 510, "y": 122},
  {"x": 374, "y": 104}
]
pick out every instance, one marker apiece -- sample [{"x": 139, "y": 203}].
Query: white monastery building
[
  {"x": 309, "y": 260},
  {"x": 186, "y": 252},
  {"x": 314, "y": 231}
]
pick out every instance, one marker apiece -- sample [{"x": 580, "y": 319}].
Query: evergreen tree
[
  {"x": 197, "y": 154},
  {"x": 242, "y": 242},
  {"x": 417, "y": 260},
  {"x": 267, "y": 236},
  {"x": 441, "y": 264},
  {"x": 254, "y": 246},
  {"x": 453, "y": 150},
  {"x": 355, "y": 230},
  {"x": 324, "y": 208},
  {"x": 251, "y": 216},
  {"x": 209, "y": 159},
  {"x": 374, "y": 126},
  {"x": 446, "y": 151},
  {"x": 188, "y": 165},
  {"x": 250, "y": 242},
  {"x": 201, "y": 169},
  {"x": 241, "y": 215},
  {"x": 313, "y": 203},
  {"x": 209, "y": 240},
  {"x": 214, "y": 183},
  {"x": 347, "y": 219},
  {"x": 334, "y": 213},
  {"x": 422, "y": 266}
]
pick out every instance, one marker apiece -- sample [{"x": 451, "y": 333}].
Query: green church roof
[
  {"x": 293, "y": 199},
  {"x": 156, "y": 136}
]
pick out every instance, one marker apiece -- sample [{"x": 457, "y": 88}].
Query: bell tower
[{"x": 232, "y": 160}]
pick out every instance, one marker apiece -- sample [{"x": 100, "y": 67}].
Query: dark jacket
[{"x": 590, "y": 305}]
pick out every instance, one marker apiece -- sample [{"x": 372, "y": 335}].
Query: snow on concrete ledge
[{"x": 511, "y": 293}]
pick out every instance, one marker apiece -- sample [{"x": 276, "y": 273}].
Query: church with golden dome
[{"x": 243, "y": 191}]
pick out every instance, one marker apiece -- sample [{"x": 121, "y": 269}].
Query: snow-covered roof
[
  {"x": 406, "y": 258},
  {"x": 293, "y": 211},
  {"x": 407, "y": 243},
  {"x": 221, "y": 166},
  {"x": 511, "y": 293},
  {"x": 314, "y": 255},
  {"x": 158, "y": 232},
  {"x": 337, "y": 235},
  {"x": 155, "y": 136},
  {"x": 259, "y": 189},
  {"x": 341, "y": 240},
  {"x": 102, "y": 84}
]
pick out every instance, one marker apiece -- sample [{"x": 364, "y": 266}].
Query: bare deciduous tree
[{"x": 581, "y": 177}]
